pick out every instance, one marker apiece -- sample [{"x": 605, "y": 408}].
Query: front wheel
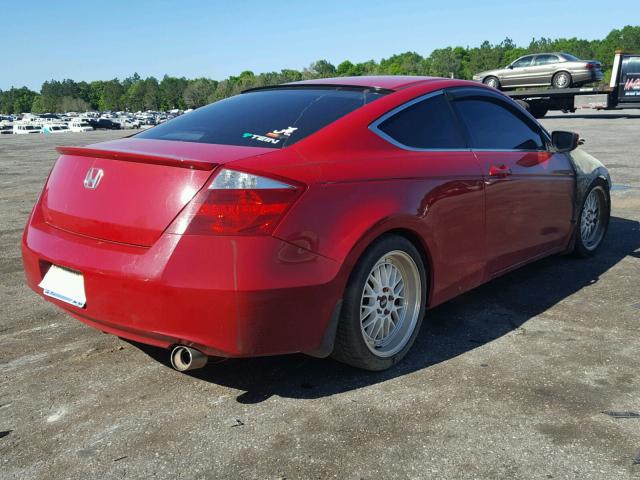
[
  {"x": 593, "y": 221},
  {"x": 492, "y": 82},
  {"x": 383, "y": 306}
]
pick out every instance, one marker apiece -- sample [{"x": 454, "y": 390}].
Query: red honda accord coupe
[{"x": 322, "y": 217}]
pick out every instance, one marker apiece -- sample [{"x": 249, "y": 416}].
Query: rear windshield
[{"x": 265, "y": 118}]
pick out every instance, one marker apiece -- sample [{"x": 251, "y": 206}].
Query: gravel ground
[{"x": 508, "y": 381}]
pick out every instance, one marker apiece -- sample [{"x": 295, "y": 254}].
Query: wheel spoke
[
  {"x": 378, "y": 328},
  {"x": 369, "y": 292},
  {"x": 387, "y": 274},
  {"x": 366, "y": 312},
  {"x": 369, "y": 322},
  {"x": 393, "y": 277}
]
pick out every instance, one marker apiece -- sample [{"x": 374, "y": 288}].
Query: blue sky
[{"x": 86, "y": 40}]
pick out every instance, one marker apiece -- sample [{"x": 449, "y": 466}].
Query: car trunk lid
[{"x": 129, "y": 190}]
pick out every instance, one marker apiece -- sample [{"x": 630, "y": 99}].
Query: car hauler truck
[{"x": 623, "y": 91}]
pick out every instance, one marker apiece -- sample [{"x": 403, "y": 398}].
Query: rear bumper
[
  {"x": 587, "y": 76},
  {"x": 227, "y": 296}
]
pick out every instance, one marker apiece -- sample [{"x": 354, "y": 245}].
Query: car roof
[
  {"x": 390, "y": 82},
  {"x": 546, "y": 53}
]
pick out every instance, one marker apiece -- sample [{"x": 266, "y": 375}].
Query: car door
[
  {"x": 529, "y": 189},
  {"x": 518, "y": 72},
  {"x": 543, "y": 68}
]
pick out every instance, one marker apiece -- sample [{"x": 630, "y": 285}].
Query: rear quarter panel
[
  {"x": 360, "y": 187},
  {"x": 365, "y": 192}
]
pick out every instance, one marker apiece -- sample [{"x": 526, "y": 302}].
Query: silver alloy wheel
[
  {"x": 492, "y": 82},
  {"x": 390, "y": 303},
  {"x": 593, "y": 218},
  {"x": 562, "y": 80}
]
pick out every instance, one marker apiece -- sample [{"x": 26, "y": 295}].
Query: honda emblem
[{"x": 93, "y": 177}]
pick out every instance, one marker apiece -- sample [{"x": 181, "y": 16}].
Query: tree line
[{"x": 135, "y": 93}]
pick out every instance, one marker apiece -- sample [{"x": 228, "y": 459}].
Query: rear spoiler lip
[{"x": 138, "y": 157}]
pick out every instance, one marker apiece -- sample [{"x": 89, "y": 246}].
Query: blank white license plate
[{"x": 64, "y": 285}]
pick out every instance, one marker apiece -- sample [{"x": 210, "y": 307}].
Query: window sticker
[
  {"x": 285, "y": 132},
  {"x": 273, "y": 137},
  {"x": 261, "y": 138}
]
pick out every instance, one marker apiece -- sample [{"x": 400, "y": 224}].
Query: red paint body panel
[
  {"x": 147, "y": 198},
  {"x": 537, "y": 199},
  {"x": 139, "y": 157},
  {"x": 139, "y": 194},
  {"x": 231, "y": 296},
  {"x": 270, "y": 294}
]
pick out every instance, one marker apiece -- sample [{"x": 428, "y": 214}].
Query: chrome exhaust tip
[{"x": 187, "y": 358}]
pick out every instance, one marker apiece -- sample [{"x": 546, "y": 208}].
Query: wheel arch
[
  {"x": 588, "y": 170},
  {"x": 491, "y": 75},
  {"x": 410, "y": 232},
  {"x": 556, "y": 73},
  {"x": 424, "y": 250}
]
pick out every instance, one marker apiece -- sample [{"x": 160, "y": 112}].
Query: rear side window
[
  {"x": 545, "y": 59},
  {"x": 494, "y": 126},
  {"x": 265, "y": 118},
  {"x": 571, "y": 58},
  {"x": 428, "y": 124}
]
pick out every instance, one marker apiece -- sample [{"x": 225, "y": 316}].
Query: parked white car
[
  {"x": 131, "y": 123},
  {"x": 55, "y": 129},
  {"x": 80, "y": 125},
  {"x": 25, "y": 128}
]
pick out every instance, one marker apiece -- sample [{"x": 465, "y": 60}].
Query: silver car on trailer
[{"x": 559, "y": 70}]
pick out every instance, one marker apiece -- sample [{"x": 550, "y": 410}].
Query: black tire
[
  {"x": 492, "y": 81},
  {"x": 562, "y": 80},
  {"x": 538, "y": 110},
  {"x": 350, "y": 345},
  {"x": 583, "y": 248}
]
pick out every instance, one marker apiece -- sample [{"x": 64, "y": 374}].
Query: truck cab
[{"x": 627, "y": 83}]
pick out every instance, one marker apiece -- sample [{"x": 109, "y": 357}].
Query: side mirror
[
  {"x": 565, "y": 141},
  {"x": 510, "y": 67}
]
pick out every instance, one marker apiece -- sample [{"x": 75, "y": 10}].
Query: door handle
[{"x": 499, "y": 171}]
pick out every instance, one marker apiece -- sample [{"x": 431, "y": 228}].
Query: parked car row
[{"x": 51, "y": 123}]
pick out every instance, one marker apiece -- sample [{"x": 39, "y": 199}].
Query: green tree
[
  {"x": 445, "y": 62},
  {"x": 151, "y": 94},
  {"x": 197, "y": 92},
  {"x": 171, "y": 92},
  {"x": 408, "y": 63},
  {"x": 322, "y": 68},
  {"x": 111, "y": 95},
  {"x": 37, "y": 106},
  {"x": 95, "y": 93},
  {"x": 134, "y": 97},
  {"x": 347, "y": 69}
]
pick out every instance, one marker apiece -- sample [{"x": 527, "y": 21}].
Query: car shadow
[{"x": 452, "y": 329}]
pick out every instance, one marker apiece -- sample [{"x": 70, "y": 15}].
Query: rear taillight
[
  {"x": 590, "y": 66},
  {"x": 237, "y": 203}
]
